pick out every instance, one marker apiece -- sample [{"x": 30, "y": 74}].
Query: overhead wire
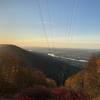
[
  {"x": 51, "y": 27},
  {"x": 68, "y": 30},
  {"x": 68, "y": 34},
  {"x": 75, "y": 6},
  {"x": 43, "y": 25}
]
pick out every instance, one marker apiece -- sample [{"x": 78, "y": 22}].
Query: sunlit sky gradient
[{"x": 68, "y": 23}]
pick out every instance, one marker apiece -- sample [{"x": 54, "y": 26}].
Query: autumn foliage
[
  {"x": 88, "y": 80},
  {"x": 44, "y": 93},
  {"x": 23, "y": 82},
  {"x": 15, "y": 75}
]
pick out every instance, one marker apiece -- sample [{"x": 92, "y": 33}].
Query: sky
[{"x": 50, "y": 23}]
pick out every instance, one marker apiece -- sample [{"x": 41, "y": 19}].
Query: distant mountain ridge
[{"x": 52, "y": 67}]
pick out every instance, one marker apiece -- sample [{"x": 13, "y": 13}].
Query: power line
[
  {"x": 50, "y": 25},
  {"x": 49, "y": 20},
  {"x": 75, "y": 6},
  {"x": 43, "y": 24},
  {"x": 69, "y": 34}
]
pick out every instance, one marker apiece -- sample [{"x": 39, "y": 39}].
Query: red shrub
[
  {"x": 44, "y": 93},
  {"x": 35, "y": 93}
]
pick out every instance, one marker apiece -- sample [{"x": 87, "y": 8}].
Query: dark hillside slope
[{"x": 52, "y": 67}]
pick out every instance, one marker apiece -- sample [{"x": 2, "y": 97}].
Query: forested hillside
[
  {"x": 32, "y": 76},
  {"x": 88, "y": 80},
  {"x": 54, "y": 68}
]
